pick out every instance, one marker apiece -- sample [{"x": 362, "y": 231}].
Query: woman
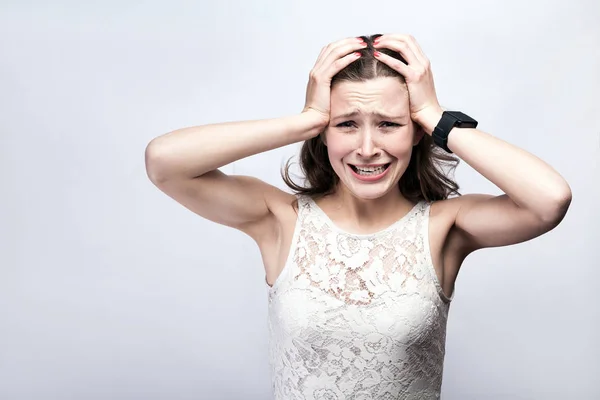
[{"x": 361, "y": 264}]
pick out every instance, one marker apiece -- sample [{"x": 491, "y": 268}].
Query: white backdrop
[{"x": 111, "y": 290}]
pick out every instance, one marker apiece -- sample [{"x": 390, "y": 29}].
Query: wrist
[
  {"x": 312, "y": 123},
  {"x": 428, "y": 118}
]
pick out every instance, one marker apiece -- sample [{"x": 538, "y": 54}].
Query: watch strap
[{"x": 449, "y": 120}]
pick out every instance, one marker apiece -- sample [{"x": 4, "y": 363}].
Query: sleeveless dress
[{"x": 357, "y": 316}]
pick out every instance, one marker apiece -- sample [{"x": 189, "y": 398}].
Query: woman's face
[{"x": 380, "y": 131}]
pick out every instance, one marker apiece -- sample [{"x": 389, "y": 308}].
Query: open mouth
[{"x": 370, "y": 171}]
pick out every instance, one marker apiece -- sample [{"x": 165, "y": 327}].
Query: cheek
[
  {"x": 397, "y": 147},
  {"x": 398, "y": 144},
  {"x": 402, "y": 150},
  {"x": 338, "y": 152},
  {"x": 338, "y": 148}
]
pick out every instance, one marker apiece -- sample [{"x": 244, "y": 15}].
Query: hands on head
[{"x": 400, "y": 52}]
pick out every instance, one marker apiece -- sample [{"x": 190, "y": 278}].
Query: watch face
[{"x": 463, "y": 119}]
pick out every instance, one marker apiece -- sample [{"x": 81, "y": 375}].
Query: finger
[
  {"x": 320, "y": 57},
  {"x": 419, "y": 51},
  {"x": 329, "y": 65},
  {"x": 406, "y": 45},
  {"x": 327, "y": 50},
  {"x": 340, "y": 64},
  {"x": 341, "y": 49},
  {"x": 394, "y": 63},
  {"x": 399, "y": 44}
]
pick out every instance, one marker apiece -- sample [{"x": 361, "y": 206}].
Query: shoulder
[
  {"x": 444, "y": 214},
  {"x": 283, "y": 209},
  {"x": 444, "y": 209},
  {"x": 281, "y": 202},
  {"x": 450, "y": 207}
]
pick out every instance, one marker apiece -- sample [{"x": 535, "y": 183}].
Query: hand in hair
[
  {"x": 333, "y": 58},
  {"x": 417, "y": 73}
]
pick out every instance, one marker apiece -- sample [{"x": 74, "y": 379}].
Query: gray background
[{"x": 111, "y": 290}]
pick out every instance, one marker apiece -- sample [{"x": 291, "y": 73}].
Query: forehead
[{"x": 382, "y": 93}]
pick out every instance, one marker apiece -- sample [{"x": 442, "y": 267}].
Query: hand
[
  {"x": 417, "y": 74},
  {"x": 333, "y": 58}
]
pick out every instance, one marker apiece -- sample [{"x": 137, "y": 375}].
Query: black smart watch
[{"x": 449, "y": 120}]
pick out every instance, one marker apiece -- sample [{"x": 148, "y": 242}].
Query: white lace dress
[{"x": 357, "y": 316}]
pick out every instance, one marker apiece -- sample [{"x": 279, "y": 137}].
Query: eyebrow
[{"x": 375, "y": 113}]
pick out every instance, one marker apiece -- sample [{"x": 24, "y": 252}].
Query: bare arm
[
  {"x": 192, "y": 152},
  {"x": 184, "y": 165},
  {"x": 536, "y": 197},
  {"x": 535, "y": 200}
]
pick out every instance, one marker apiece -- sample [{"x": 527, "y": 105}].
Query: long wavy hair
[{"x": 425, "y": 177}]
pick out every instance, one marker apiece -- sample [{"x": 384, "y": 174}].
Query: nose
[{"x": 368, "y": 148}]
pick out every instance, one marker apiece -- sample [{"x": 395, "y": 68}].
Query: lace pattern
[{"x": 357, "y": 316}]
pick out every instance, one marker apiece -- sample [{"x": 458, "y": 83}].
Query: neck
[{"x": 365, "y": 212}]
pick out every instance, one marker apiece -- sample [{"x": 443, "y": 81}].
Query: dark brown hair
[{"x": 424, "y": 178}]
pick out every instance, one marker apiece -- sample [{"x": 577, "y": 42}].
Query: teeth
[{"x": 371, "y": 169}]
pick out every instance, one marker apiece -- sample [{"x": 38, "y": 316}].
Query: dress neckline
[{"x": 363, "y": 235}]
